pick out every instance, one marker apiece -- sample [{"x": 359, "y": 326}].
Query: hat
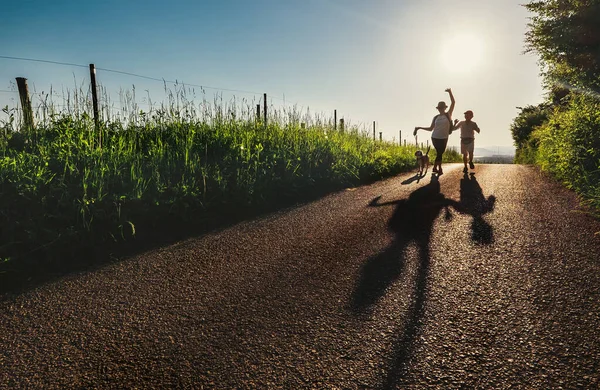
[
  {"x": 442, "y": 105},
  {"x": 469, "y": 112}
]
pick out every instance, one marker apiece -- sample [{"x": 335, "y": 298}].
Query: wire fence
[
  {"x": 128, "y": 105},
  {"x": 179, "y": 99}
]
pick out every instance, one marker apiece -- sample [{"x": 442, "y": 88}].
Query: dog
[{"x": 423, "y": 160}]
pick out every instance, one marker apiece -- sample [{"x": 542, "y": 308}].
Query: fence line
[
  {"x": 137, "y": 75},
  {"x": 40, "y": 60},
  {"x": 107, "y": 108}
]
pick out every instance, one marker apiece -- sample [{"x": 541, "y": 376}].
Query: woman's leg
[
  {"x": 440, "y": 147},
  {"x": 437, "y": 153},
  {"x": 444, "y": 143}
]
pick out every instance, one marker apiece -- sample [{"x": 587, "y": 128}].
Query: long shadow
[
  {"x": 473, "y": 202},
  {"x": 40, "y": 268},
  {"x": 411, "y": 222}
]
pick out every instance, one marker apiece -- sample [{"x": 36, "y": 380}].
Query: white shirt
[{"x": 441, "y": 127}]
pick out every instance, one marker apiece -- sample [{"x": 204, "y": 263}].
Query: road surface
[{"x": 489, "y": 280}]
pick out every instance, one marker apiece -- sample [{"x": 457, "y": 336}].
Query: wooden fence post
[
  {"x": 342, "y": 125},
  {"x": 95, "y": 102},
  {"x": 427, "y": 143},
  {"x": 265, "y": 108},
  {"x": 258, "y": 112},
  {"x": 25, "y": 102},
  {"x": 405, "y": 143},
  {"x": 380, "y": 136},
  {"x": 400, "y": 137},
  {"x": 373, "y": 130},
  {"x": 334, "y": 119}
]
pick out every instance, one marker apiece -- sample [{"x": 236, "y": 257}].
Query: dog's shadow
[{"x": 416, "y": 178}]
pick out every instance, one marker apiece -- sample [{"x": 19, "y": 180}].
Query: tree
[
  {"x": 526, "y": 121},
  {"x": 566, "y": 36}
]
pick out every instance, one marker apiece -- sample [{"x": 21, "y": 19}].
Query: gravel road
[{"x": 489, "y": 280}]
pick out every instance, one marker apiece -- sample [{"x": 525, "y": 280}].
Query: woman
[{"x": 441, "y": 127}]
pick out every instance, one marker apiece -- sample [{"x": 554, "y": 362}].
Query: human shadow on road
[
  {"x": 412, "y": 222},
  {"x": 473, "y": 202}
]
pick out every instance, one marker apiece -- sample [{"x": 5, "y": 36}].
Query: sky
[{"x": 387, "y": 61}]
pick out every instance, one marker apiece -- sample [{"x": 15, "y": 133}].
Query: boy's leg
[
  {"x": 463, "y": 151},
  {"x": 471, "y": 150}
]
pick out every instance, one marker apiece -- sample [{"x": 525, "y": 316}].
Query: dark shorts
[{"x": 440, "y": 147}]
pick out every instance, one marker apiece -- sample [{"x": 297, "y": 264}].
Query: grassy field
[{"x": 67, "y": 185}]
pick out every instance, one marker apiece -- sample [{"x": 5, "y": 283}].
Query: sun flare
[{"x": 463, "y": 53}]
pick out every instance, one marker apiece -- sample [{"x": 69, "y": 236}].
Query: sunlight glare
[{"x": 463, "y": 53}]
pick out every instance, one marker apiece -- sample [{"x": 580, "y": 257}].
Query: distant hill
[
  {"x": 488, "y": 151},
  {"x": 496, "y": 159},
  {"x": 492, "y": 154}
]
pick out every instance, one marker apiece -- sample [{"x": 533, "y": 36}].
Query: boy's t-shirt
[{"x": 467, "y": 129}]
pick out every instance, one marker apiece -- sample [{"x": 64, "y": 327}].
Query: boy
[{"x": 467, "y": 138}]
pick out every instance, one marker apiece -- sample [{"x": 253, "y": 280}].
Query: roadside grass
[{"x": 69, "y": 186}]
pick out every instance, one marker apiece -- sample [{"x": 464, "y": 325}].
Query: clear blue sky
[{"x": 382, "y": 60}]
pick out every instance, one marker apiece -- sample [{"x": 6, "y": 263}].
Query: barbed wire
[
  {"x": 176, "y": 82},
  {"x": 45, "y": 61}
]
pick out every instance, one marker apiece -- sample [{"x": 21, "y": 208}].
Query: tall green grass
[{"x": 67, "y": 184}]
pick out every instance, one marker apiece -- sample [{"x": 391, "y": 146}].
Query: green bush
[{"x": 569, "y": 146}]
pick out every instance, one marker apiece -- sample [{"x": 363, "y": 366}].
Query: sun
[{"x": 463, "y": 53}]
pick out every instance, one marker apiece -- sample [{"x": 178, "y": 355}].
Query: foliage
[
  {"x": 563, "y": 135},
  {"x": 566, "y": 36},
  {"x": 67, "y": 185},
  {"x": 529, "y": 118},
  {"x": 569, "y": 147}
]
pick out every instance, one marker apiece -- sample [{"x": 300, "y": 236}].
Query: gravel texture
[{"x": 485, "y": 281}]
